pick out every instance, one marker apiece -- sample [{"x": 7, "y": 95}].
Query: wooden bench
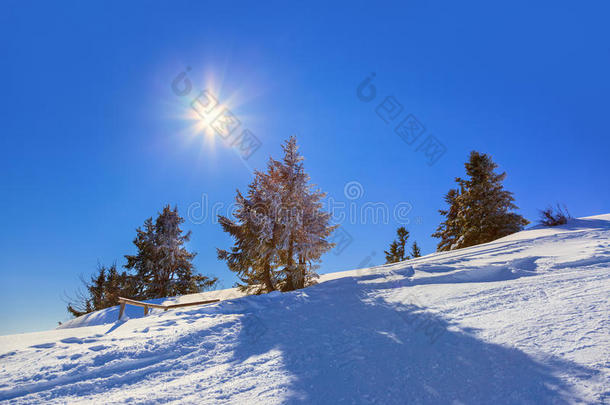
[{"x": 146, "y": 305}]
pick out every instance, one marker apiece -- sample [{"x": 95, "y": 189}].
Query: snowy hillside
[{"x": 522, "y": 320}]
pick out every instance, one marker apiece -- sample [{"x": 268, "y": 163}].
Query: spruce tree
[
  {"x": 480, "y": 209},
  {"x": 163, "y": 266},
  {"x": 415, "y": 251},
  {"x": 280, "y": 231},
  {"x": 397, "y": 251},
  {"x": 306, "y": 226},
  {"x": 449, "y": 230},
  {"x": 255, "y": 232},
  {"x": 143, "y": 263},
  {"x": 116, "y": 285},
  {"x": 102, "y": 291}
]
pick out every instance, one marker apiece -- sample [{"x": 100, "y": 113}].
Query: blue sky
[{"x": 94, "y": 140}]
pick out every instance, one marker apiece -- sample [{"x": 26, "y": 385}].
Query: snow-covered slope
[{"x": 524, "y": 319}]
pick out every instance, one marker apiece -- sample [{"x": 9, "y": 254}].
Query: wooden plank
[
  {"x": 188, "y": 304},
  {"x": 146, "y": 305},
  {"x": 139, "y": 303}
]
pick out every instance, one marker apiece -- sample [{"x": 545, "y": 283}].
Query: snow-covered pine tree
[
  {"x": 175, "y": 271},
  {"x": 397, "y": 251},
  {"x": 255, "y": 232},
  {"x": 163, "y": 265},
  {"x": 306, "y": 227},
  {"x": 311, "y": 238},
  {"x": 481, "y": 210},
  {"x": 415, "y": 250},
  {"x": 280, "y": 231},
  {"x": 143, "y": 263}
]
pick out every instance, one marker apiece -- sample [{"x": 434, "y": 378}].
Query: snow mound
[{"x": 523, "y": 319}]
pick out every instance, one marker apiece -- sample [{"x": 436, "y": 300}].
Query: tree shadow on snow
[{"x": 342, "y": 345}]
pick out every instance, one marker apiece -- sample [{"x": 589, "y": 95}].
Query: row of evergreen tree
[
  {"x": 397, "y": 251},
  {"x": 479, "y": 210},
  {"x": 280, "y": 233},
  {"x": 162, "y": 267}
]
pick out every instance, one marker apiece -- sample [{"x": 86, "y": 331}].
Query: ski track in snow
[{"x": 522, "y": 320}]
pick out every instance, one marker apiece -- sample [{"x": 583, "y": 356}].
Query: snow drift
[{"x": 523, "y": 319}]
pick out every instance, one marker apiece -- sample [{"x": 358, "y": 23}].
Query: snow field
[{"x": 520, "y": 320}]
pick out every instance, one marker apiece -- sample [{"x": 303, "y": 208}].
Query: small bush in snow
[{"x": 554, "y": 216}]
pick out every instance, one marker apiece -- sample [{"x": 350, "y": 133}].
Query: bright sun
[{"x": 211, "y": 111}]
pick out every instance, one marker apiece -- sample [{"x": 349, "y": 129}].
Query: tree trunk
[
  {"x": 301, "y": 272},
  {"x": 289, "y": 269},
  {"x": 267, "y": 277}
]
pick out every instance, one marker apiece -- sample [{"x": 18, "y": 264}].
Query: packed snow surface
[{"x": 522, "y": 320}]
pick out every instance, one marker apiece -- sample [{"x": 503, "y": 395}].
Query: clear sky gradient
[{"x": 93, "y": 140}]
